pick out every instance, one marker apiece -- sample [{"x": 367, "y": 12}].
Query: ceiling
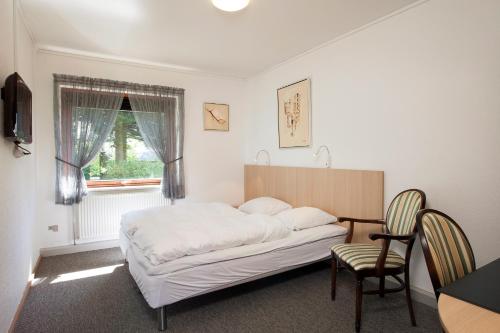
[{"x": 194, "y": 34}]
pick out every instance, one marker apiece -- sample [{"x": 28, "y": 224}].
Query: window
[{"x": 124, "y": 159}]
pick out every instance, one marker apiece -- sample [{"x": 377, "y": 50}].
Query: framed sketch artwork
[
  {"x": 215, "y": 117},
  {"x": 294, "y": 114}
]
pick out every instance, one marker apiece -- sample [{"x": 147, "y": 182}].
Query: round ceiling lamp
[{"x": 230, "y": 5}]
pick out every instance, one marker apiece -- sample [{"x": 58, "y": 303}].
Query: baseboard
[
  {"x": 68, "y": 249},
  {"x": 423, "y": 296},
  {"x": 24, "y": 297},
  {"x": 417, "y": 294}
]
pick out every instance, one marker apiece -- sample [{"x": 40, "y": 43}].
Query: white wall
[
  {"x": 213, "y": 160},
  {"x": 417, "y": 96},
  {"x": 17, "y": 184}
]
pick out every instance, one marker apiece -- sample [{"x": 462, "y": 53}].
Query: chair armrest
[
  {"x": 386, "y": 241},
  {"x": 353, "y": 219},
  {"x": 375, "y": 236}
]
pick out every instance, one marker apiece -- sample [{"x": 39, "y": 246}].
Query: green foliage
[
  {"x": 125, "y": 129},
  {"x": 95, "y": 169},
  {"x": 129, "y": 169},
  {"x": 124, "y": 143},
  {"x": 132, "y": 168},
  {"x": 125, "y": 121}
]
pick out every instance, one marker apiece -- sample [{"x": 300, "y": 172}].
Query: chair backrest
[
  {"x": 400, "y": 217},
  {"x": 447, "y": 251}
]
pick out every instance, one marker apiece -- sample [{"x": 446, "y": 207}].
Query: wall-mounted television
[{"x": 17, "y": 111}]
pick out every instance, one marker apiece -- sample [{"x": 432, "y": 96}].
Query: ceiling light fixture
[{"x": 230, "y": 5}]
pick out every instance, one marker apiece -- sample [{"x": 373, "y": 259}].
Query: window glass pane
[{"x": 124, "y": 155}]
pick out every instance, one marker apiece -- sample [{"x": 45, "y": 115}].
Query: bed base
[{"x": 162, "y": 310}]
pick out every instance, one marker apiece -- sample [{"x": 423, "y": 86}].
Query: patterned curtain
[
  {"x": 159, "y": 112},
  {"x": 85, "y": 110}
]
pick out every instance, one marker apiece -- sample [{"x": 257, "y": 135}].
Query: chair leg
[
  {"x": 334, "y": 276},
  {"x": 381, "y": 286},
  {"x": 359, "y": 302},
  {"x": 408, "y": 295}
]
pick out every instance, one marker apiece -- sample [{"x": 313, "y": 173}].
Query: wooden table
[{"x": 459, "y": 316}]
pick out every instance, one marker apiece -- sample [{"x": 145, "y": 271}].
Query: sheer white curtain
[
  {"x": 159, "y": 112},
  {"x": 85, "y": 111}
]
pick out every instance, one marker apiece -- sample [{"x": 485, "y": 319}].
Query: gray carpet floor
[{"x": 296, "y": 301}]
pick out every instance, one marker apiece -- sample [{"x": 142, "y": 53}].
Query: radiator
[{"x": 98, "y": 215}]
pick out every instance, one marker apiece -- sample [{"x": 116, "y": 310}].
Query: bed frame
[{"x": 356, "y": 193}]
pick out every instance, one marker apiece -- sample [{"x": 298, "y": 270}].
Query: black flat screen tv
[{"x": 17, "y": 111}]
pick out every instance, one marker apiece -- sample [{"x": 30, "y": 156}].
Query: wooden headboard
[{"x": 352, "y": 193}]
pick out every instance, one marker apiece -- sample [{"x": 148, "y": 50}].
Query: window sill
[
  {"x": 123, "y": 183},
  {"x": 124, "y": 188}
]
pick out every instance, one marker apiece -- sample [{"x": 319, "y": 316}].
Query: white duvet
[{"x": 167, "y": 233}]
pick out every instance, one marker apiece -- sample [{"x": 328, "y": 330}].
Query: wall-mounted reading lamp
[
  {"x": 265, "y": 152},
  {"x": 318, "y": 152}
]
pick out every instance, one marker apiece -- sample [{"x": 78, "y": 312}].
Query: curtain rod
[
  {"x": 125, "y": 92},
  {"x": 84, "y": 81}
]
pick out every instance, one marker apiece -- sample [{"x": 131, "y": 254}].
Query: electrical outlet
[{"x": 54, "y": 228}]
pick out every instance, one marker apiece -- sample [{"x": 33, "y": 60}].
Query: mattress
[{"x": 190, "y": 276}]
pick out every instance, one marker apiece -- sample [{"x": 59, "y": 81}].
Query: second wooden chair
[{"x": 447, "y": 250}]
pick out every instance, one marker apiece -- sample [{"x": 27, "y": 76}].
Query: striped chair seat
[{"x": 364, "y": 256}]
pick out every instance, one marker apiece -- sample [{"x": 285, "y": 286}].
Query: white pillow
[
  {"x": 305, "y": 217},
  {"x": 264, "y": 205}
]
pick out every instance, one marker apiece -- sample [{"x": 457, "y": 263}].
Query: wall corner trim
[{"x": 20, "y": 10}]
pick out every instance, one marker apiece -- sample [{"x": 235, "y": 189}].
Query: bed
[
  {"x": 180, "y": 279},
  {"x": 169, "y": 281}
]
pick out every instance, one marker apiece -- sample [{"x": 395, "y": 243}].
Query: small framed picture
[
  {"x": 294, "y": 114},
  {"x": 215, "y": 117}
]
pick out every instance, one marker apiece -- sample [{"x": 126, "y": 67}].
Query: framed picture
[
  {"x": 294, "y": 114},
  {"x": 215, "y": 117}
]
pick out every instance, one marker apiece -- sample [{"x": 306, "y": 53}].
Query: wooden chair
[
  {"x": 369, "y": 260},
  {"x": 447, "y": 250}
]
